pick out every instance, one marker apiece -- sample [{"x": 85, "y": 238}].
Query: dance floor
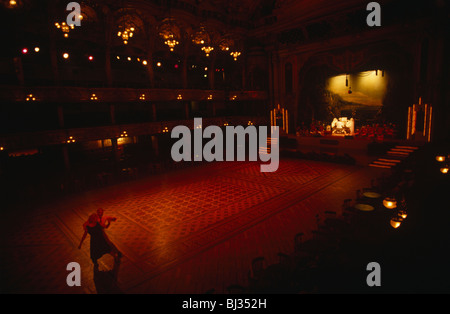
[{"x": 186, "y": 231}]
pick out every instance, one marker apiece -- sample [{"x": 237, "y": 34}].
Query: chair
[
  {"x": 298, "y": 240},
  {"x": 258, "y": 266},
  {"x": 283, "y": 258}
]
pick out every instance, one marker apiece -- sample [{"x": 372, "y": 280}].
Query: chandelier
[
  {"x": 200, "y": 37},
  {"x": 65, "y": 28},
  {"x": 225, "y": 43},
  {"x": 126, "y": 34},
  {"x": 235, "y": 55},
  {"x": 207, "y": 50},
  {"x": 170, "y": 32},
  {"x": 171, "y": 42}
]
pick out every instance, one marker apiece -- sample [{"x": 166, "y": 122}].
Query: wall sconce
[
  {"x": 396, "y": 222},
  {"x": 70, "y": 140},
  {"x": 390, "y": 203},
  {"x": 402, "y": 214}
]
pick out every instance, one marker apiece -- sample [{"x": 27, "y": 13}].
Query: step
[
  {"x": 390, "y": 160},
  {"x": 378, "y": 162},
  {"x": 379, "y": 166},
  {"x": 396, "y": 153},
  {"x": 401, "y": 150},
  {"x": 407, "y": 147}
]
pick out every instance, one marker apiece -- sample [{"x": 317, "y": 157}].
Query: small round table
[
  {"x": 371, "y": 194},
  {"x": 364, "y": 207}
]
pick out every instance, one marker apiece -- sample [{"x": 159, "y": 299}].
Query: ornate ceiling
[{"x": 225, "y": 23}]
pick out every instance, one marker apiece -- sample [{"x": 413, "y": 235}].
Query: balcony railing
[{"x": 31, "y": 140}]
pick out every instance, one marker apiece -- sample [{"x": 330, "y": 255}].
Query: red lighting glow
[
  {"x": 25, "y": 51},
  {"x": 91, "y": 58}
]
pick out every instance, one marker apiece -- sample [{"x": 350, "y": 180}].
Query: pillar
[
  {"x": 108, "y": 42},
  {"x": 186, "y": 110},
  {"x": 60, "y": 116},
  {"x": 112, "y": 113},
  {"x": 154, "y": 117},
  {"x": 65, "y": 150}
]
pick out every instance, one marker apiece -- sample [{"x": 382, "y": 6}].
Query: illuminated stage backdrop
[{"x": 363, "y": 90}]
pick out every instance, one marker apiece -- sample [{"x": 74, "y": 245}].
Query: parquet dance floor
[{"x": 187, "y": 231}]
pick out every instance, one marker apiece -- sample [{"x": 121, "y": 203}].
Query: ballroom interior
[{"x": 90, "y": 95}]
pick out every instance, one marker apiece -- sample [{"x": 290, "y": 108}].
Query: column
[
  {"x": 60, "y": 116},
  {"x": 154, "y": 117},
  {"x": 65, "y": 150},
  {"x": 112, "y": 113},
  {"x": 108, "y": 42},
  {"x": 211, "y": 70},
  {"x": 149, "y": 66},
  {"x": 186, "y": 110},
  {"x": 155, "y": 145},
  {"x": 53, "y": 51},
  {"x": 184, "y": 66}
]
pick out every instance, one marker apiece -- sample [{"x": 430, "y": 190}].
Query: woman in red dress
[{"x": 100, "y": 243}]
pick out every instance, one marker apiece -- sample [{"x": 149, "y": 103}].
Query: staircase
[{"x": 393, "y": 157}]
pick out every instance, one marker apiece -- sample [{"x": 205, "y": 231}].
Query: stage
[{"x": 362, "y": 150}]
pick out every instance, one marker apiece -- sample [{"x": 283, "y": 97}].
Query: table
[
  {"x": 371, "y": 194},
  {"x": 364, "y": 207}
]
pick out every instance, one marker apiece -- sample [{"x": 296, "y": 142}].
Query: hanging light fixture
[
  {"x": 207, "y": 50},
  {"x": 235, "y": 55},
  {"x": 225, "y": 43},
  {"x": 170, "y": 32},
  {"x": 200, "y": 37},
  {"x": 65, "y": 28},
  {"x": 126, "y": 32}
]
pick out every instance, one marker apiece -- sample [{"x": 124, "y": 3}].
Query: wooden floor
[{"x": 187, "y": 231}]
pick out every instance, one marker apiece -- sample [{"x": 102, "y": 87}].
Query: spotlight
[
  {"x": 91, "y": 58},
  {"x": 66, "y": 55},
  {"x": 37, "y": 49}
]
